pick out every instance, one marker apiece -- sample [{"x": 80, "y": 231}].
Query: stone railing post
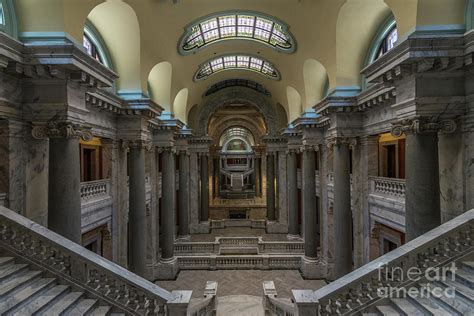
[{"x": 178, "y": 305}]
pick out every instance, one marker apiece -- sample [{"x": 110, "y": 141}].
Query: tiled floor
[
  {"x": 241, "y": 282},
  {"x": 237, "y": 232}
]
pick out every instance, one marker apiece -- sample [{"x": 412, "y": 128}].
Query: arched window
[
  {"x": 384, "y": 40},
  {"x": 239, "y": 62},
  {"x": 237, "y": 25},
  {"x": 469, "y": 15},
  {"x": 95, "y": 45},
  {"x": 8, "y": 21}
]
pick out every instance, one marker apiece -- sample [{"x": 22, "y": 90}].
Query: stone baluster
[
  {"x": 342, "y": 207},
  {"x": 422, "y": 195},
  {"x": 64, "y": 196}
]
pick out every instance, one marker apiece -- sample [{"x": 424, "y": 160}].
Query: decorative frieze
[
  {"x": 61, "y": 130},
  {"x": 422, "y": 125}
]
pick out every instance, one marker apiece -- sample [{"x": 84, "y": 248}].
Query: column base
[
  {"x": 294, "y": 237},
  {"x": 166, "y": 269},
  {"x": 274, "y": 227},
  {"x": 313, "y": 268},
  {"x": 200, "y": 228}
]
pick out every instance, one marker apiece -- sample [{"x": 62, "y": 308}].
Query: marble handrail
[
  {"x": 93, "y": 190},
  {"x": 387, "y": 186},
  {"x": 84, "y": 269},
  {"x": 358, "y": 289}
]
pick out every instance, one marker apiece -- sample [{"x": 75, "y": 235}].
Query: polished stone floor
[
  {"x": 237, "y": 232},
  {"x": 241, "y": 282}
]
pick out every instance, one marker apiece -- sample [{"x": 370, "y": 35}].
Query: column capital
[
  {"x": 304, "y": 148},
  {"x": 183, "y": 151},
  {"x": 203, "y": 154},
  {"x": 293, "y": 151},
  {"x": 340, "y": 140},
  {"x": 56, "y": 129},
  {"x": 169, "y": 149},
  {"x": 139, "y": 143},
  {"x": 423, "y": 125}
]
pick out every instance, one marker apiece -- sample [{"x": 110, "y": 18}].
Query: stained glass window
[
  {"x": 2, "y": 17},
  {"x": 91, "y": 48},
  {"x": 234, "y": 26},
  {"x": 244, "y": 62},
  {"x": 388, "y": 42}
]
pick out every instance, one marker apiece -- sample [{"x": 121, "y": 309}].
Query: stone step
[
  {"x": 101, "y": 311},
  {"x": 461, "y": 290},
  {"x": 387, "y": 310},
  {"x": 30, "y": 292},
  {"x": 429, "y": 307},
  {"x": 465, "y": 278},
  {"x": 405, "y": 307},
  {"x": 468, "y": 266},
  {"x": 4, "y": 261},
  {"x": 82, "y": 307},
  {"x": 18, "y": 282},
  {"x": 42, "y": 302},
  {"x": 63, "y": 304},
  {"x": 454, "y": 305},
  {"x": 10, "y": 271}
]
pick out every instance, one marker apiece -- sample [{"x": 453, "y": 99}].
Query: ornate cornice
[
  {"x": 421, "y": 125},
  {"x": 61, "y": 130}
]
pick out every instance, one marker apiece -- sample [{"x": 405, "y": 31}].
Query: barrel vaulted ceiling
[{"x": 142, "y": 36}]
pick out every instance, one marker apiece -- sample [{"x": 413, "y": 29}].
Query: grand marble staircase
[
  {"x": 25, "y": 291},
  {"x": 430, "y": 275}
]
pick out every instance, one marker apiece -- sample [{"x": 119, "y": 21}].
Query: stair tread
[
  {"x": 465, "y": 275},
  {"x": 431, "y": 306},
  {"x": 469, "y": 264},
  {"x": 42, "y": 300},
  {"x": 453, "y": 304},
  {"x": 18, "y": 281},
  {"x": 25, "y": 294},
  {"x": 461, "y": 288},
  {"x": 387, "y": 310},
  {"x": 82, "y": 307},
  {"x": 406, "y": 307},
  {"x": 6, "y": 260},
  {"x": 64, "y": 303},
  {"x": 101, "y": 311},
  {"x": 10, "y": 270}
]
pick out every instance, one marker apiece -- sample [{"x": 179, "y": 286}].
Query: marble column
[
  {"x": 342, "y": 209},
  {"x": 271, "y": 186},
  {"x": 257, "y": 177},
  {"x": 292, "y": 194},
  {"x": 168, "y": 221},
  {"x": 183, "y": 193},
  {"x": 64, "y": 196},
  {"x": 309, "y": 203},
  {"x": 422, "y": 201},
  {"x": 204, "y": 187},
  {"x": 137, "y": 209}
]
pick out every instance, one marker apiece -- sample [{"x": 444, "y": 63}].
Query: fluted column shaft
[
  {"x": 64, "y": 196},
  {"x": 309, "y": 204},
  {"x": 168, "y": 195},
  {"x": 342, "y": 210},
  {"x": 183, "y": 193},
  {"x": 204, "y": 187},
  {"x": 271, "y": 186},
  {"x": 137, "y": 210},
  {"x": 292, "y": 194}
]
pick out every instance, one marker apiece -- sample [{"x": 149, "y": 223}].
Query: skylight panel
[
  {"x": 226, "y": 26},
  {"x": 242, "y": 62}
]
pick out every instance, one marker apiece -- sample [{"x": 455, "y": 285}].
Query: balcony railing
[
  {"x": 387, "y": 186},
  {"x": 94, "y": 190}
]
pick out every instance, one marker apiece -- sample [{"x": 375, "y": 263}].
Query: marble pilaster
[
  {"x": 183, "y": 193},
  {"x": 293, "y": 229}
]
